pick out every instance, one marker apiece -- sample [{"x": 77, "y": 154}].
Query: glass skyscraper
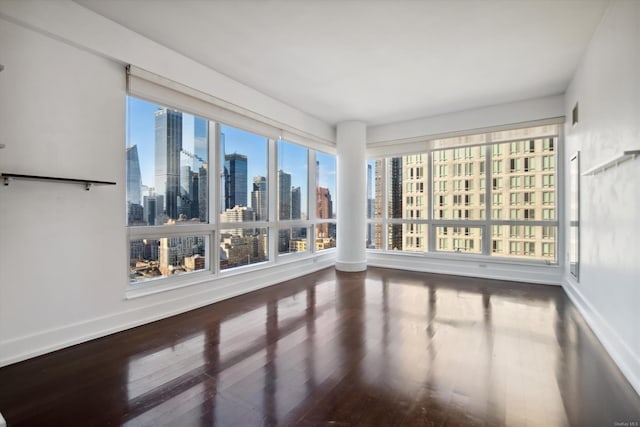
[
  {"x": 235, "y": 178},
  {"x": 284, "y": 194},
  {"x": 168, "y": 145},
  {"x": 134, "y": 179}
]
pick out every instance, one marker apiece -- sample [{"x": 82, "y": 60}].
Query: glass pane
[
  {"x": 524, "y": 241},
  {"x": 374, "y": 236},
  {"x": 292, "y": 239},
  {"x": 325, "y": 185},
  {"x": 459, "y": 239},
  {"x": 167, "y": 165},
  {"x": 293, "y": 180},
  {"x": 243, "y": 246},
  {"x": 458, "y": 175},
  {"x": 374, "y": 179},
  {"x": 325, "y": 236},
  {"x": 524, "y": 181},
  {"x": 167, "y": 256},
  {"x": 243, "y": 168}
]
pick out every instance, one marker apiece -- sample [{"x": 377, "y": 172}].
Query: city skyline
[
  {"x": 141, "y": 133},
  {"x": 168, "y": 180}
]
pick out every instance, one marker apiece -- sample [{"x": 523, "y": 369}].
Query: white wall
[
  {"x": 478, "y": 118},
  {"x": 62, "y": 249},
  {"x": 409, "y": 137},
  {"x": 68, "y": 21},
  {"x": 607, "y": 88}
]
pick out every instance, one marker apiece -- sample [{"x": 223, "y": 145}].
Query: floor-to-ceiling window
[
  {"x": 204, "y": 197},
  {"x": 491, "y": 194}
]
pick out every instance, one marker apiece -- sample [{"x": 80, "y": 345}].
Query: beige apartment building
[{"x": 520, "y": 199}]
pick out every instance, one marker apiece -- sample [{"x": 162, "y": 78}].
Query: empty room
[{"x": 310, "y": 213}]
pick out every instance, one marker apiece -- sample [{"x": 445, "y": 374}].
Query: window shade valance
[{"x": 152, "y": 87}]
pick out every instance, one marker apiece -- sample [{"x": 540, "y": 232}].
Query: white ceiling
[{"x": 376, "y": 61}]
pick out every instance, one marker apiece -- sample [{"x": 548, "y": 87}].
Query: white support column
[{"x": 352, "y": 208}]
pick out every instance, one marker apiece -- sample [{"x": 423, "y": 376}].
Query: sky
[{"x": 291, "y": 157}]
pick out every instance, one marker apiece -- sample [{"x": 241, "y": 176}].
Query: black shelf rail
[{"x": 88, "y": 183}]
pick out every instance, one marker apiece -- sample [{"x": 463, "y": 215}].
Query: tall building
[
  {"x": 200, "y": 142},
  {"x": 324, "y": 209},
  {"x": 522, "y": 189},
  {"x": 185, "y": 198},
  {"x": 134, "y": 188},
  {"x": 414, "y": 201},
  {"x": 259, "y": 198},
  {"x": 203, "y": 193},
  {"x": 168, "y": 144},
  {"x": 235, "y": 179},
  {"x": 296, "y": 203},
  {"x": 284, "y": 195},
  {"x": 194, "y": 192},
  {"x": 198, "y": 184},
  {"x": 152, "y": 210},
  {"x": 378, "y": 206},
  {"x": 134, "y": 179},
  {"x": 395, "y": 202}
]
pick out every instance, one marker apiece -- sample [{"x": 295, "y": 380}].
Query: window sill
[
  {"x": 470, "y": 258},
  {"x": 207, "y": 277},
  {"x": 167, "y": 284}
]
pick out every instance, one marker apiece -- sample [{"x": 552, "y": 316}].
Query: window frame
[
  {"x": 214, "y": 227},
  {"x": 491, "y": 152}
]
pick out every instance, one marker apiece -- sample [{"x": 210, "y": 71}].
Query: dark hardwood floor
[{"x": 380, "y": 348}]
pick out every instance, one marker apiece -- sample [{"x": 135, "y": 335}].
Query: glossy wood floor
[{"x": 380, "y": 348}]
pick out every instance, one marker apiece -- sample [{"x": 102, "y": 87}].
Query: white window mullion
[
  {"x": 431, "y": 235},
  {"x": 487, "y": 246},
  {"x": 311, "y": 198},
  {"x": 385, "y": 225},
  {"x": 215, "y": 192},
  {"x": 273, "y": 199}
]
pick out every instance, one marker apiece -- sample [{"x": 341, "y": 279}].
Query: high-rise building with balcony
[{"x": 522, "y": 189}]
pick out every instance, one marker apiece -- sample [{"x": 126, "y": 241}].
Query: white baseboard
[
  {"x": 622, "y": 355},
  {"x": 481, "y": 268},
  {"x": 351, "y": 266},
  {"x": 26, "y": 347}
]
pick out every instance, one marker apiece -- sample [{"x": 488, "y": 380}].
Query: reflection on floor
[{"x": 384, "y": 347}]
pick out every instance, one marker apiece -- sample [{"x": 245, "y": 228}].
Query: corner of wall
[
  {"x": 46, "y": 341},
  {"x": 618, "y": 350}
]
